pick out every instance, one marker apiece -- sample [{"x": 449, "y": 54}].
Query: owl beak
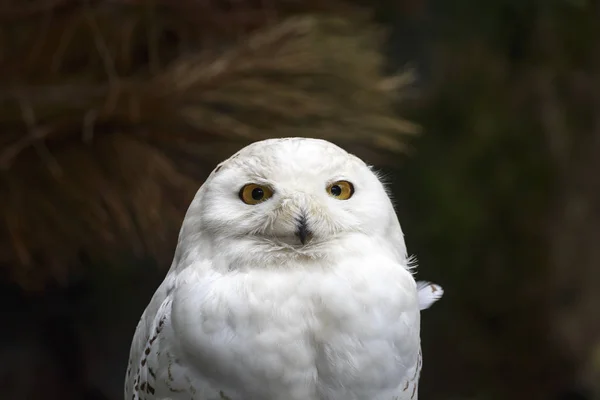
[{"x": 302, "y": 230}]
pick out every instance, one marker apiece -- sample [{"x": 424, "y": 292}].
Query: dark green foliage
[{"x": 504, "y": 109}]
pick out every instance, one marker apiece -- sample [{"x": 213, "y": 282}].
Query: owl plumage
[{"x": 290, "y": 281}]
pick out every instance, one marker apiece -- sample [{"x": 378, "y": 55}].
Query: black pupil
[
  {"x": 336, "y": 190},
  {"x": 257, "y": 193}
]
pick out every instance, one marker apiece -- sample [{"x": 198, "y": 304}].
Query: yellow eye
[
  {"x": 341, "y": 190},
  {"x": 253, "y": 194}
]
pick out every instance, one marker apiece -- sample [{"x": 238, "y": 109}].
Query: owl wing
[
  {"x": 409, "y": 389},
  {"x": 147, "y": 352},
  {"x": 408, "y": 386},
  {"x": 155, "y": 369}
]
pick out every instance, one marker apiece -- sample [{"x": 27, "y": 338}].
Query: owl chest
[
  {"x": 318, "y": 307},
  {"x": 306, "y": 334}
]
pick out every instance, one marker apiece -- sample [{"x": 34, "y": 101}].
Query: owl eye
[
  {"x": 341, "y": 190},
  {"x": 253, "y": 194}
]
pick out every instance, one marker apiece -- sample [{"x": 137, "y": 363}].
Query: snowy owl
[{"x": 290, "y": 281}]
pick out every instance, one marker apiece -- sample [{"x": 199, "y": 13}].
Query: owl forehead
[{"x": 288, "y": 158}]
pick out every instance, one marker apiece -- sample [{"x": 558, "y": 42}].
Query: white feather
[{"x": 429, "y": 293}]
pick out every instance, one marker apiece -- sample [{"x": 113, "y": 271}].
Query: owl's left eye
[
  {"x": 341, "y": 190},
  {"x": 253, "y": 194}
]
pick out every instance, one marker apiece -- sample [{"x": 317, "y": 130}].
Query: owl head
[{"x": 293, "y": 197}]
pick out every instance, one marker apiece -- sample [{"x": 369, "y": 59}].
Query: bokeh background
[{"x": 484, "y": 116}]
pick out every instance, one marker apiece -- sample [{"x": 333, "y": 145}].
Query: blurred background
[{"x": 484, "y": 116}]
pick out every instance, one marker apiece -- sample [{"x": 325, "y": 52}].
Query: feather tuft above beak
[{"x": 302, "y": 231}]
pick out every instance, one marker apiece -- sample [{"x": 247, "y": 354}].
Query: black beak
[{"x": 302, "y": 230}]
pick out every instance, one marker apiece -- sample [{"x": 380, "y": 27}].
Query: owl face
[{"x": 294, "y": 193}]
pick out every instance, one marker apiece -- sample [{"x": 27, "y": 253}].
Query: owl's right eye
[{"x": 253, "y": 194}]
